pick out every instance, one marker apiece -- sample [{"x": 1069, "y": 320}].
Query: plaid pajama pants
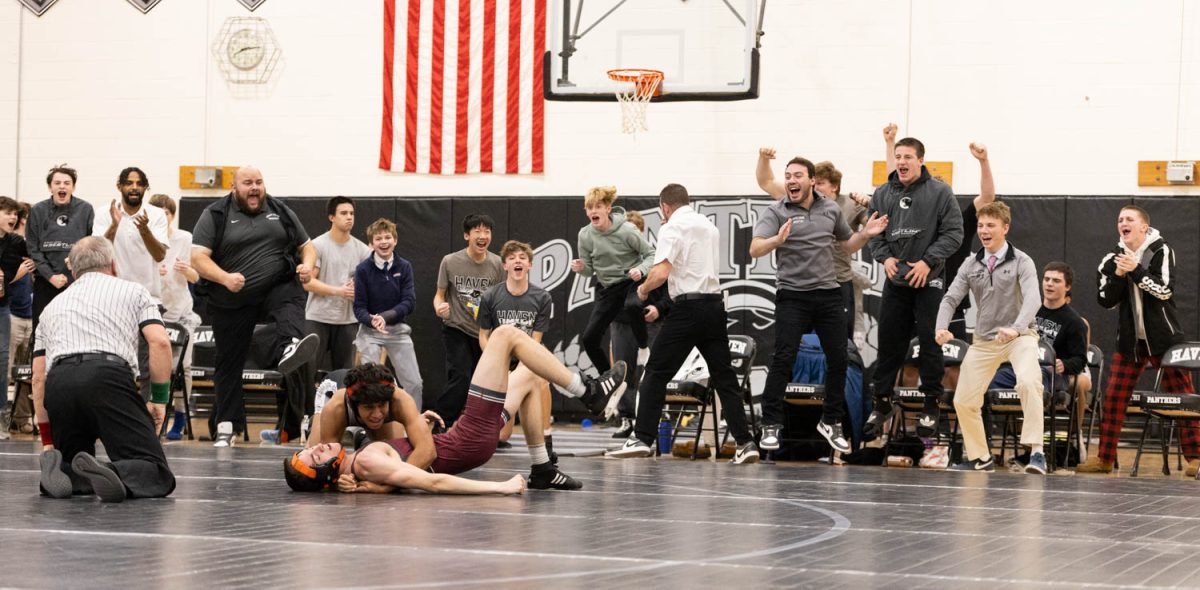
[{"x": 1123, "y": 377}]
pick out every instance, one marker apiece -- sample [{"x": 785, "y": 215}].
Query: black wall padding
[{"x": 1076, "y": 229}]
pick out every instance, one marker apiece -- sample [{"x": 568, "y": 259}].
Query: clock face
[{"x": 246, "y": 49}]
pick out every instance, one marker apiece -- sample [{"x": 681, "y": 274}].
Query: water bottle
[{"x": 664, "y": 436}]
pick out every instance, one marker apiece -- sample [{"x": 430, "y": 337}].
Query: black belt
[
  {"x": 699, "y": 297},
  {"x": 83, "y": 357}
]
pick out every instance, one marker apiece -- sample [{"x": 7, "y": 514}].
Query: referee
[
  {"x": 686, "y": 259},
  {"x": 84, "y": 367}
]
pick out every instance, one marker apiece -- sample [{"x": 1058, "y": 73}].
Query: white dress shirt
[{"x": 691, "y": 243}]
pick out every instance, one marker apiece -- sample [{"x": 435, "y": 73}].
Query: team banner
[
  {"x": 38, "y": 7},
  {"x": 144, "y": 5}
]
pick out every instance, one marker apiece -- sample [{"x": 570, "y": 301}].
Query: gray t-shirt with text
[
  {"x": 529, "y": 311},
  {"x": 806, "y": 258},
  {"x": 465, "y": 281}
]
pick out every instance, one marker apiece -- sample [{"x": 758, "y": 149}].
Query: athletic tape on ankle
[
  {"x": 160, "y": 393},
  {"x": 44, "y": 433}
]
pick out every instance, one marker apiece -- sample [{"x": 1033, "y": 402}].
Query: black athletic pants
[
  {"x": 904, "y": 311},
  {"x": 233, "y": 330},
  {"x": 611, "y": 301},
  {"x": 462, "y": 354}
]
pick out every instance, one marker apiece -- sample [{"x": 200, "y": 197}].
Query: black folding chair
[
  {"x": 687, "y": 395},
  {"x": 1169, "y": 408},
  {"x": 1007, "y": 403},
  {"x": 179, "y": 342},
  {"x": 1095, "y": 363},
  {"x": 911, "y": 400}
]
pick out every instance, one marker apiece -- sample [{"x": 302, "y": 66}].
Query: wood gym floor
[{"x": 647, "y": 523}]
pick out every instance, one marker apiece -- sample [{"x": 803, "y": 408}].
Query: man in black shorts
[{"x": 471, "y": 442}]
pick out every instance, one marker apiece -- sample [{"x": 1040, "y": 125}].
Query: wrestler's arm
[
  {"x": 382, "y": 465},
  {"x": 404, "y": 411},
  {"x": 333, "y": 421}
]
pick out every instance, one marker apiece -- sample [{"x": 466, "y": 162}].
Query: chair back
[
  {"x": 742, "y": 350},
  {"x": 953, "y": 351}
]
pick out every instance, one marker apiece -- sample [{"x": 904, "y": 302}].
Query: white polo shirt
[
  {"x": 134, "y": 262},
  {"x": 691, "y": 243}
]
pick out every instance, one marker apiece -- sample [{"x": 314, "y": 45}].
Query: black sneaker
[
  {"x": 624, "y": 429},
  {"x": 874, "y": 425},
  {"x": 299, "y": 352},
  {"x": 548, "y": 477},
  {"x": 54, "y": 482},
  {"x": 927, "y": 422},
  {"x": 986, "y": 464},
  {"x": 833, "y": 434},
  {"x": 746, "y": 453},
  {"x": 609, "y": 385},
  {"x": 105, "y": 482}
]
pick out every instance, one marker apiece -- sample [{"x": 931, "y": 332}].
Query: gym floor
[{"x": 648, "y": 523}]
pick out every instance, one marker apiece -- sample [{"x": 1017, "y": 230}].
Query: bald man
[{"x": 253, "y": 255}]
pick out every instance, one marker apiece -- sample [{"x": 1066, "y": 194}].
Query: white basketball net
[{"x": 637, "y": 88}]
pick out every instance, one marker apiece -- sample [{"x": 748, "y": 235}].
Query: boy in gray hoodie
[
  {"x": 619, "y": 257},
  {"x": 1005, "y": 283}
]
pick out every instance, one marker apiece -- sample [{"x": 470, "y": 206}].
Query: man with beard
[
  {"x": 137, "y": 231},
  {"x": 253, "y": 254},
  {"x": 54, "y": 226}
]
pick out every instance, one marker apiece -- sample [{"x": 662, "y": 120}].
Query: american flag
[{"x": 462, "y": 86}]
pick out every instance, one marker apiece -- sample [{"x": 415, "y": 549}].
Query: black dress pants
[
  {"x": 98, "y": 399},
  {"x": 796, "y": 314},
  {"x": 700, "y": 324}
]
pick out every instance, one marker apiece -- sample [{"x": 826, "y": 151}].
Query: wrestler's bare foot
[{"x": 516, "y": 485}]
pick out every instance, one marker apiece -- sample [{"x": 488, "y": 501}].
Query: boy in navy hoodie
[{"x": 383, "y": 297}]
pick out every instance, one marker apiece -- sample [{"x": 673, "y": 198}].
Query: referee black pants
[
  {"x": 98, "y": 399},
  {"x": 700, "y": 324},
  {"x": 233, "y": 330}
]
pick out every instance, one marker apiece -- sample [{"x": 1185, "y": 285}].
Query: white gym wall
[{"x": 1067, "y": 95}]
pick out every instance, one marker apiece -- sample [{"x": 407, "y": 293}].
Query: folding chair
[
  {"x": 812, "y": 396},
  {"x": 912, "y": 400},
  {"x": 1095, "y": 363},
  {"x": 1170, "y": 407},
  {"x": 690, "y": 390},
  {"x": 179, "y": 342},
  {"x": 1007, "y": 403}
]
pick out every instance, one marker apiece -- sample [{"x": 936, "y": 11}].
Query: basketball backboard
[{"x": 707, "y": 49}]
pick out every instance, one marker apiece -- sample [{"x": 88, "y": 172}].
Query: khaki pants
[{"x": 980, "y": 364}]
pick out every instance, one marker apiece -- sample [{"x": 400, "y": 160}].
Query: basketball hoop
[{"x": 646, "y": 84}]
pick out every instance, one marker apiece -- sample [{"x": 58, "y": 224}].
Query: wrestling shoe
[
  {"x": 299, "y": 352},
  {"x": 769, "y": 441},
  {"x": 605, "y": 390},
  {"x": 987, "y": 464},
  {"x": 1037, "y": 464},
  {"x": 633, "y": 447},
  {"x": 745, "y": 454},
  {"x": 54, "y": 482},
  {"x": 874, "y": 426},
  {"x": 624, "y": 429},
  {"x": 105, "y": 482},
  {"x": 225, "y": 436},
  {"x": 927, "y": 422},
  {"x": 547, "y": 477},
  {"x": 833, "y": 433}
]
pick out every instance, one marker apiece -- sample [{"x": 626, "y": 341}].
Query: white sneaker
[
  {"x": 643, "y": 356},
  {"x": 633, "y": 447},
  {"x": 747, "y": 453},
  {"x": 224, "y": 436}
]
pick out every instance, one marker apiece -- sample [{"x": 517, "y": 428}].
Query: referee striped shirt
[{"x": 98, "y": 313}]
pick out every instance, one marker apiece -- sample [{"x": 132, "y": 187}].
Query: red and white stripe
[{"x": 462, "y": 86}]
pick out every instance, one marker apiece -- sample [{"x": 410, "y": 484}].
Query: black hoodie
[
  {"x": 1152, "y": 282},
  {"x": 924, "y": 223}
]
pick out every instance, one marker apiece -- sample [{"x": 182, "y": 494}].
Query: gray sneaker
[
  {"x": 1037, "y": 464},
  {"x": 54, "y": 481},
  {"x": 769, "y": 441},
  {"x": 746, "y": 453},
  {"x": 105, "y": 482}
]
